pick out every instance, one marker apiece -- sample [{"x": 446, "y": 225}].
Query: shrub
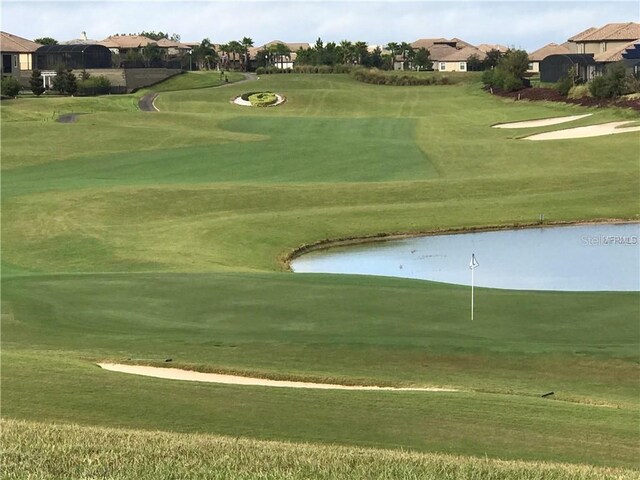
[
  {"x": 260, "y": 71},
  {"x": 564, "y": 86},
  {"x": 94, "y": 86},
  {"x": 10, "y": 86},
  {"x": 35, "y": 82},
  {"x": 612, "y": 84},
  {"x": 579, "y": 91},
  {"x": 65, "y": 82}
]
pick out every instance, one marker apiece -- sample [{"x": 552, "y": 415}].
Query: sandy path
[
  {"x": 544, "y": 122},
  {"x": 189, "y": 375},
  {"x": 611, "y": 128}
]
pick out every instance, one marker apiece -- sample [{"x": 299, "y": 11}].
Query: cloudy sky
[{"x": 522, "y": 24}]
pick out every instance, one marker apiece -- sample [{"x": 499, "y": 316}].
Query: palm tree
[
  {"x": 246, "y": 43},
  {"x": 360, "y": 50},
  {"x": 280, "y": 51},
  {"x": 346, "y": 51},
  {"x": 224, "y": 48},
  {"x": 394, "y": 48},
  {"x": 405, "y": 48},
  {"x": 235, "y": 47}
]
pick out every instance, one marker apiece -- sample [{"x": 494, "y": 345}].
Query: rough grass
[
  {"x": 49, "y": 451},
  {"x": 195, "y": 80}
]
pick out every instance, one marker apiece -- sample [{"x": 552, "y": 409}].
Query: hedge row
[
  {"x": 378, "y": 77},
  {"x": 305, "y": 69}
]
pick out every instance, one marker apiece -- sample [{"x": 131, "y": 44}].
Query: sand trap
[
  {"x": 189, "y": 375},
  {"x": 611, "y": 128},
  {"x": 247, "y": 103},
  {"x": 544, "y": 122}
]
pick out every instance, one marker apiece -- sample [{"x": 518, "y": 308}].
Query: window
[
  {"x": 15, "y": 61},
  {"x": 530, "y": 66},
  {"x": 443, "y": 66},
  {"x": 463, "y": 66}
]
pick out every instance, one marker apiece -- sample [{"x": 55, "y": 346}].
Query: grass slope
[
  {"x": 208, "y": 198},
  {"x": 84, "y": 452}
]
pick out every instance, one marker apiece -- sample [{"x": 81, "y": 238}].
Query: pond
[{"x": 603, "y": 257}]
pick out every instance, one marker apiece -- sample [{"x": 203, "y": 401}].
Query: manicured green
[{"x": 136, "y": 236}]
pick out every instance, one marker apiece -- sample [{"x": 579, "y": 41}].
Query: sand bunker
[
  {"x": 611, "y": 128},
  {"x": 247, "y": 103},
  {"x": 189, "y": 375},
  {"x": 544, "y": 122}
]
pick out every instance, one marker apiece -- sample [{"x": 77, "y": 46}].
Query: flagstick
[{"x": 472, "y": 293}]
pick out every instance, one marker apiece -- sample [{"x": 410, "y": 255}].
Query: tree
[
  {"x": 422, "y": 60},
  {"x": 280, "y": 51},
  {"x": 225, "y": 49},
  {"x": 612, "y": 84},
  {"x": 36, "y": 84},
  {"x": 515, "y": 63},
  {"x": 10, "y": 86},
  {"x": 204, "y": 55},
  {"x": 65, "y": 82},
  {"x": 361, "y": 51},
  {"x": 246, "y": 43},
  {"x": 46, "y": 41},
  {"x": 405, "y": 49},
  {"x": 152, "y": 53},
  {"x": 492, "y": 59},
  {"x": 474, "y": 64},
  {"x": 153, "y": 35},
  {"x": 394, "y": 48}
]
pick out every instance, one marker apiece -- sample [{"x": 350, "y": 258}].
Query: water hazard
[{"x": 569, "y": 258}]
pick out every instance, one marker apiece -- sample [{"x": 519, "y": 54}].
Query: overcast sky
[{"x": 527, "y": 25}]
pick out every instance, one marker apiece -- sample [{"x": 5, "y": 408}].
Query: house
[
  {"x": 591, "y": 51},
  {"x": 550, "y": 49},
  {"x": 452, "y": 55},
  {"x": 457, "y": 61},
  {"x": 122, "y": 44},
  {"x": 609, "y": 37},
  {"x": 17, "y": 56},
  {"x": 286, "y": 61}
]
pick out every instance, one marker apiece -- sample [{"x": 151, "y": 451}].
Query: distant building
[
  {"x": 550, "y": 49},
  {"x": 17, "y": 56},
  {"x": 591, "y": 50}
]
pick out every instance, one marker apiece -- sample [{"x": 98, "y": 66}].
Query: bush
[
  {"x": 260, "y": 71},
  {"x": 94, "y": 86},
  {"x": 612, "y": 84},
  {"x": 579, "y": 91},
  {"x": 65, "y": 82},
  {"x": 564, "y": 86},
  {"x": 35, "y": 82},
  {"x": 10, "y": 86}
]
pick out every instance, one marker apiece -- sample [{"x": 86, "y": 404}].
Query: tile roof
[
  {"x": 463, "y": 54},
  {"x": 584, "y": 33},
  {"x": 487, "y": 47},
  {"x": 127, "y": 41},
  {"x": 614, "y": 55},
  {"x": 549, "y": 49},
  {"x": 13, "y": 43},
  {"x": 611, "y": 31},
  {"x": 292, "y": 46},
  {"x": 439, "y": 52},
  {"x": 427, "y": 42}
]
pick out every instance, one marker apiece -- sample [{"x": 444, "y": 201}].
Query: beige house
[
  {"x": 609, "y": 37},
  {"x": 17, "y": 55},
  {"x": 457, "y": 60},
  {"x": 121, "y": 44},
  {"x": 550, "y": 49},
  {"x": 487, "y": 47},
  {"x": 286, "y": 61}
]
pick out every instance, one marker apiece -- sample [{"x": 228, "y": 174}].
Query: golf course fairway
[{"x": 138, "y": 237}]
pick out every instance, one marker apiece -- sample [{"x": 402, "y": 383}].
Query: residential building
[
  {"x": 537, "y": 56},
  {"x": 612, "y": 36},
  {"x": 17, "y": 56}
]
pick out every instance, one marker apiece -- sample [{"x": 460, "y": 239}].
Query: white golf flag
[{"x": 474, "y": 263}]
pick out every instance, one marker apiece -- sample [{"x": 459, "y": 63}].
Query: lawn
[{"x": 135, "y": 236}]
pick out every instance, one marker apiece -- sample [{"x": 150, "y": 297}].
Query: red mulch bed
[{"x": 551, "y": 95}]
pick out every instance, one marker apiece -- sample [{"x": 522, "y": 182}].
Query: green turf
[
  {"x": 208, "y": 198},
  {"x": 192, "y": 80}
]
